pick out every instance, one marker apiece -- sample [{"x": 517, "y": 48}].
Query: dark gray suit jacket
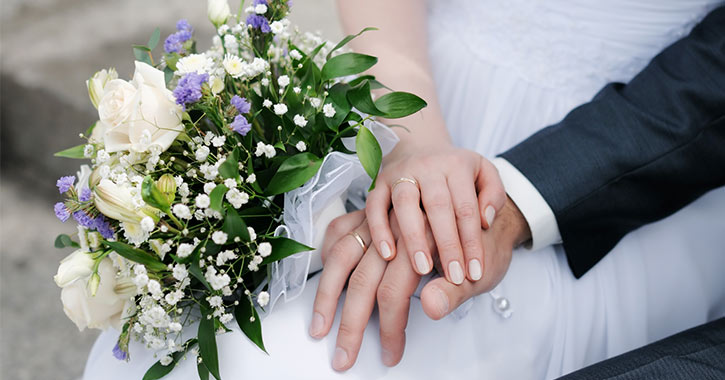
[{"x": 637, "y": 152}]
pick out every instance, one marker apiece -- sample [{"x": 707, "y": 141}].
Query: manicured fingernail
[
  {"x": 385, "y": 250},
  {"x": 339, "y": 360},
  {"x": 490, "y": 213},
  {"x": 474, "y": 269},
  {"x": 456, "y": 272},
  {"x": 442, "y": 301},
  {"x": 421, "y": 262},
  {"x": 318, "y": 323},
  {"x": 388, "y": 358}
]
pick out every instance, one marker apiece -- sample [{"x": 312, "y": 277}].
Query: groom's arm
[{"x": 633, "y": 155}]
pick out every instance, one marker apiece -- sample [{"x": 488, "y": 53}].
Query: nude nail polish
[
  {"x": 490, "y": 214},
  {"x": 385, "y": 251},
  {"x": 474, "y": 269},
  {"x": 317, "y": 324},
  {"x": 455, "y": 272},
  {"x": 421, "y": 262},
  {"x": 339, "y": 360}
]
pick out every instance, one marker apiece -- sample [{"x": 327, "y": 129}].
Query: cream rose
[
  {"x": 138, "y": 114},
  {"x": 97, "y": 84},
  {"x": 218, "y": 12},
  {"x": 101, "y": 311},
  {"x": 77, "y": 265}
]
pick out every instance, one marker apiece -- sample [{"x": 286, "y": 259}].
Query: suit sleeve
[{"x": 637, "y": 152}]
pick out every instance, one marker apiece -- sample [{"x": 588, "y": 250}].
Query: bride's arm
[{"x": 448, "y": 178}]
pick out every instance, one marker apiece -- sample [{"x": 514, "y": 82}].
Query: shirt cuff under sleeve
[{"x": 538, "y": 214}]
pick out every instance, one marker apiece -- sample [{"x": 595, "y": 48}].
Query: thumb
[{"x": 439, "y": 297}]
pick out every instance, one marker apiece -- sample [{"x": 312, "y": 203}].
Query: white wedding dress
[{"x": 505, "y": 69}]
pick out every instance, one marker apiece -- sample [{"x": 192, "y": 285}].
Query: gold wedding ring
[
  {"x": 403, "y": 179},
  {"x": 359, "y": 240}
]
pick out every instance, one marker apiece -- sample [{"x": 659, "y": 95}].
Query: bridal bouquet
[{"x": 189, "y": 161}]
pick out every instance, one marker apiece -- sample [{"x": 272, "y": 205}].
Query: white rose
[
  {"x": 78, "y": 265},
  {"x": 101, "y": 311},
  {"x": 140, "y": 113},
  {"x": 96, "y": 85},
  {"x": 320, "y": 220},
  {"x": 218, "y": 12}
]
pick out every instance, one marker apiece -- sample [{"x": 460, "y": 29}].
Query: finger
[
  {"x": 359, "y": 303},
  {"x": 439, "y": 209},
  {"x": 343, "y": 258},
  {"x": 338, "y": 228},
  {"x": 439, "y": 297},
  {"x": 397, "y": 286},
  {"x": 468, "y": 219},
  {"x": 377, "y": 206},
  {"x": 491, "y": 194},
  {"x": 406, "y": 203}
]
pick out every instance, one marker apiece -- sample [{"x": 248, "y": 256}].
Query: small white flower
[
  {"x": 265, "y": 149},
  {"x": 252, "y": 234},
  {"x": 181, "y": 211},
  {"x": 300, "y": 120},
  {"x": 174, "y": 297},
  {"x": 277, "y": 27},
  {"x": 88, "y": 151},
  {"x": 218, "y": 141},
  {"x": 154, "y": 288},
  {"x": 280, "y": 109},
  {"x": 252, "y": 178},
  {"x": 184, "y": 250},
  {"x": 233, "y": 65},
  {"x": 237, "y": 198},
  {"x": 209, "y": 187},
  {"x": 264, "y": 249},
  {"x": 260, "y": 9},
  {"x": 180, "y": 272},
  {"x": 175, "y": 326},
  {"x": 184, "y": 190},
  {"x": 295, "y": 54},
  {"x": 147, "y": 224},
  {"x": 297, "y": 90},
  {"x": 219, "y": 237},
  {"x": 102, "y": 156},
  {"x": 301, "y": 146},
  {"x": 166, "y": 360},
  {"x": 283, "y": 81},
  {"x": 267, "y": 103},
  {"x": 223, "y": 29},
  {"x": 230, "y": 42},
  {"x": 230, "y": 183},
  {"x": 226, "y": 318},
  {"x": 202, "y": 201},
  {"x": 194, "y": 63},
  {"x": 315, "y": 102},
  {"x": 328, "y": 110},
  {"x": 215, "y": 301},
  {"x": 202, "y": 153},
  {"x": 263, "y": 299}
]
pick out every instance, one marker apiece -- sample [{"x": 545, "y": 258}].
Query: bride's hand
[{"x": 457, "y": 189}]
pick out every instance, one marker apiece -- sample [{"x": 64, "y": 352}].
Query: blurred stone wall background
[{"x": 48, "y": 48}]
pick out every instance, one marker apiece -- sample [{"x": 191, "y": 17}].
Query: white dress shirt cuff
[{"x": 538, "y": 214}]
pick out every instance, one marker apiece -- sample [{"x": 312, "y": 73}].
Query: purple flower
[
  {"x": 61, "y": 212},
  {"x": 259, "y": 22},
  {"x": 241, "y": 104},
  {"x": 64, "y": 183},
  {"x": 189, "y": 88},
  {"x": 184, "y": 26},
  {"x": 119, "y": 353},
  {"x": 174, "y": 42},
  {"x": 241, "y": 125},
  {"x": 83, "y": 219},
  {"x": 259, "y": 2},
  {"x": 103, "y": 227},
  {"x": 85, "y": 195}
]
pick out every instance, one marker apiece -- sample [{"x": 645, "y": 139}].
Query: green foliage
[
  {"x": 158, "y": 370},
  {"x": 207, "y": 343},
  {"x": 63, "y": 241},
  {"x": 283, "y": 247},
  {"x": 149, "y": 260},
  {"x": 234, "y": 225},
  {"x": 347, "y": 64},
  {"x": 251, "y": 328},
  {"x": 395, "y": 105},
  {"x": 74, "y": 152},
  {"x": 294, "y": 172},
  {"x": 153, "y": 196},
  {"x": 217, "y": 197},
  {"x": 347, "y": 39},
  {"x": 369, "y": 153}
]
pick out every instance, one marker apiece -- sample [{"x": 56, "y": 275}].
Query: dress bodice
[{"x": 568, "y": 44}]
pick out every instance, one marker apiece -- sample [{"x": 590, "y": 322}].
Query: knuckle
[
  {"x": 338, "y": 257},
  {"x": 392, "y": 336},
  {"x": 449, "y": 246},
  {"x": 439, "y": 201},
  {"x": 466, "y": 211},
  {"x": 346, "y": 331},
  {"x": 472, "y": 246},
  {"x": 387, "y": 294},
  {"x": 359, "y": 281},
  {"x": 336, "y": 226},
  {"x": 404, "y": 194}
]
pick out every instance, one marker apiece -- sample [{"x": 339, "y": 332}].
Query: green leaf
[
  {"x": 337, "y": 96},
  {"x": 154, "y": 40},
  {"x": 74, "y": 152},
  {"x": 207, "y": 344},
  {"x": 63, "y": 241},
  {"x": 153, "y": 196},
  {"x": 293, "y": 173},
  {"x": 230, "y": 167},
  {"x": 253, "y": 330},
  {"x": 234, "y": 225},
  {"x": 196, "y": 272},
  {"x": 142, "y": 54},
  {"x": 399, "y": 104},
  {"x": 149, "y": 260},
  {"x": 90, "y": 129},
  {"x": 315, "y": 51},
  {"x": 159, "y": 370},
  {"x": 347, "y": 64},
  {"x": 203, "y": 371},
  {"x": 360, "y": 98},
  {"x": 283, "y": 247},
  {"x": 369, "y": 153},
  {"x": 348, "y": 39},
  {"x": 217, "y": 197}
]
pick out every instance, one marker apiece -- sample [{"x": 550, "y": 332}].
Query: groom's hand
[{"x": 439, "y": 297}]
